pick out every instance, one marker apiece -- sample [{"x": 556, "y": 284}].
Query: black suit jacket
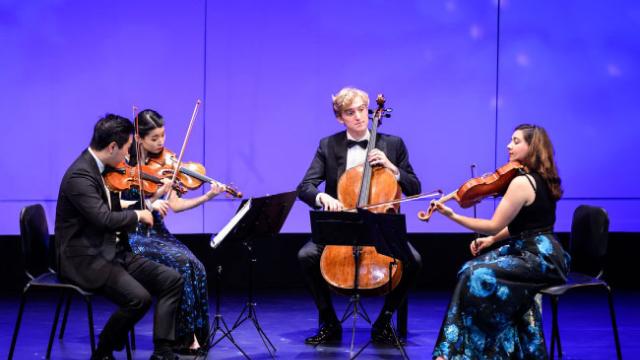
[
  {"x": 330, "y": 162},
  {"x": 85, "y": 231}
]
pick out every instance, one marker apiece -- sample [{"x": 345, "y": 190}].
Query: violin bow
[
  {"x": 143, "y": 205},
  {"x": 398, "y": 201},
  {"x": 184, "y": 145},
  {"x": 475, "y": 211}
]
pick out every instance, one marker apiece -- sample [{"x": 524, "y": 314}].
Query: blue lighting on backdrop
[{"x": 266, "y": 71}]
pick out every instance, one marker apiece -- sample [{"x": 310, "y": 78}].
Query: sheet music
[{"x": 216, "y": 240}]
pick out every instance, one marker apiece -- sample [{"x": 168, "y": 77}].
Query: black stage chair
[
  {"x": 37, "y": 251},
  {"x": 588, "y": 248}
]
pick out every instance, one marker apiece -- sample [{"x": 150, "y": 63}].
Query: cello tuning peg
[
  {"x": 388, "y": 110},
  {"x": 387, "y": 115},
  {"x": 370, "y": 111}
]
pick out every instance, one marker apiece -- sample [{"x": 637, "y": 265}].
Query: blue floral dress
[
  {"x": 492, "y": 314},
  {"x": 163, "y": 247}
]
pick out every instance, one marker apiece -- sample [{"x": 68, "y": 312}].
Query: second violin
[{"x": 191, "y": 175}]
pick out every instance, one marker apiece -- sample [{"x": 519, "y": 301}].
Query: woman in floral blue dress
[
  {"x": 492, "y": 314},
  {"x": 158, "y": 244}
]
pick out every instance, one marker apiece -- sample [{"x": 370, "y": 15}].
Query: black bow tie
[{"x": 362, "y": 143}]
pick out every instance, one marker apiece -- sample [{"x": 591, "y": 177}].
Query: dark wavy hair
[{"x": 540, "y": 157}]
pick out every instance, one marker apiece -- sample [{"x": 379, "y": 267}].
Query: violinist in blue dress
[
  {"x": 492, "y": 313},
  {"x": 160, "y": 245}
]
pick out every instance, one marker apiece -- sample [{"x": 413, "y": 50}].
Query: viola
[
  {"x": 124, "y": 177},
  {"x": 476, "y": 189},
  {"x": 191, "y": 175},
  {"x": 359, "y": 187}
]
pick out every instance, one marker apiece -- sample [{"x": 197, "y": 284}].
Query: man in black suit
[
  {"x": 335, "y": 154},
  {"x": 93, "y": 249}
]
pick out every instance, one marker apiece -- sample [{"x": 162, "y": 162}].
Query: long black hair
[{"x": 148, "y": 120}]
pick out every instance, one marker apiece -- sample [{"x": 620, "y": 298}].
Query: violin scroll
[
  {"x": 426, "y": 215},
  {"x": 232, "y": 191}
]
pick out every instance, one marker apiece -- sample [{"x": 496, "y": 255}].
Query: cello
[{"x": 357, "y": 187}]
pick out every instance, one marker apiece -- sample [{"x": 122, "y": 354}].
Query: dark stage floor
[{"x": 289, "y": 317}]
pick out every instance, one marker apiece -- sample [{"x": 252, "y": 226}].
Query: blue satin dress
[{"x": 492, "y": 314}]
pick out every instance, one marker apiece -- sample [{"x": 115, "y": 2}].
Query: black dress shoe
[
  {"x": 166, "y": 355},
  {"x": 98, "y": 356},
  {"x": 383, "y": 334},
  {"x": 201, "y": 351},
  {"x": 327, "y": 333}
]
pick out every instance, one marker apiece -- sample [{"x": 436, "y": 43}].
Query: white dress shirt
[{"x": 356, "y": 154}]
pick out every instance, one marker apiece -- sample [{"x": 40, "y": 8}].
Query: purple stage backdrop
[{"x": 266, "y": 70}]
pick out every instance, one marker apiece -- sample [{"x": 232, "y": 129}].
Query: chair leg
[
  {"x": 92, "y": 337},
  {"x": 552, "y": 346},
  {"x": 128, "y": 348},
  {"x": 613, "y": 324},
  {"x": 54, "y": 326},
  {"x": 133, "y": 339},
  {"x": 14, "y": 338},
  {"x": 558, "y": 330},
  {"x": 555, "y": 334},
  {"x": 65, "y": 316}
]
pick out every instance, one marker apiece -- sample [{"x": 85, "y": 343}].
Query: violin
[
  {"x": 361, "y": 186},
  {"x": 191, "y": 175},
  {"x": 124, "y": 177},
  {"x": 476, "y": 189}
]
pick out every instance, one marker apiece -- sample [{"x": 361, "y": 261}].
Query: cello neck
[{"x": 365, "y": 187}]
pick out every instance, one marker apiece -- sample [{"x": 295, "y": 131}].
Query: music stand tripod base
[
  {"x": 219, "y": 324},
  {"x": 257, "y": 218},
  {"x": 250, "y": 308},
  {"x": 394, "y": 333}
]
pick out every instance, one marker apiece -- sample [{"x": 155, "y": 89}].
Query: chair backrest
[
  {"x": 34, "y": 240},
  {"x": 589, "y": 239}
]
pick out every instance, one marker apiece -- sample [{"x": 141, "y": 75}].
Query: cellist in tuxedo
[{"x": 336, "y": 154}]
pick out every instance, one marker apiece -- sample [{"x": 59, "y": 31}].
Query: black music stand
[
  {"x": 386, "y": 232},
  {"x": 257, "y": 218},
  {"x": 219, "y": 324}
]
